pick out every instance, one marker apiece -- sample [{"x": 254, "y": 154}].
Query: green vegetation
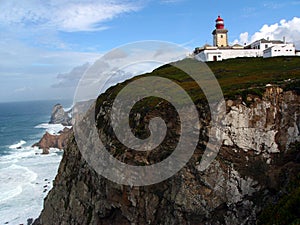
[
  {"x": 250, "y": 74},
  {"x": 240, "y": 76},
  {"x": 286, "y": 211},
  {"x": 237, "y": 77}
]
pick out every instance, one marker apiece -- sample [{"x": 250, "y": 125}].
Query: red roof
[{"x": 219, "y": 19}]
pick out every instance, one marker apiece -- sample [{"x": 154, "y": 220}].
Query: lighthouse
[{"x": 220, "y": 34}]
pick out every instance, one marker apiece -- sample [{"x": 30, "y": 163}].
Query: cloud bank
[
  {"x": 71, "y": 78},
  {"x": 289, "y": 29},
  {"x": 68, "y": 16}
]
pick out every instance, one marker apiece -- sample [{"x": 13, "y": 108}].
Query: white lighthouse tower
[{"x": 220, "y": 34}]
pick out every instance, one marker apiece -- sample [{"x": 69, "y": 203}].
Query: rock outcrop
[
  {"x": 59, "y": 140},
  {"x": 269, "y": 125},
  {"x": 255, "y": 166},
  {"x": 59, "y": 115}
]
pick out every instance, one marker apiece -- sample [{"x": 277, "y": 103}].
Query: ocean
[{"x": 26, "y": 176}]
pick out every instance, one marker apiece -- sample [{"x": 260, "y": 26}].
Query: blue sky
[{"x": 41, "y": 42}]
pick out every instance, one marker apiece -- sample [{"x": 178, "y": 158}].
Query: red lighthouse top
[{"x": 219, "y": 23}]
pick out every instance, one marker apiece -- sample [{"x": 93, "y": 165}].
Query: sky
[{"x": 45, "y": 46}]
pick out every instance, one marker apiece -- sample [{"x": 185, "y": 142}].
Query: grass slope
[
  {"x": 236, "y": 77},
  {"x": 240, "y": 76}
]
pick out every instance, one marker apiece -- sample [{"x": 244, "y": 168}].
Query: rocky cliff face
[
  {"x": 59, "y": 115},
  {"x": 255, "y": 166},
  {"x": 269, "y": 125}
]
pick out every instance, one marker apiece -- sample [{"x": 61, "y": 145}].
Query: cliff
[
  {"x": 54, "y": 141},
  {"x": 257, "y": 166}
]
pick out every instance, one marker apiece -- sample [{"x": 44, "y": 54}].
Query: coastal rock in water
[
  {"x": 54, "y": 141},
  {"x": 59, "y": 115},
  {"x": 251, "y": 171}
]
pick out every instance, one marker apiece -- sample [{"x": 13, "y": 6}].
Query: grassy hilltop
[
  {"x": 245, "y": 75},
  {"x": 240, "y": 76},
  {"x": 236, "y": 77},
  {"x": 242, "y": 73}
]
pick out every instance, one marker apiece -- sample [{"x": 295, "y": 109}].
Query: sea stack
[{"x": 59, "y": 115}]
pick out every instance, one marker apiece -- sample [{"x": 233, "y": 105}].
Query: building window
[
  {"x": 219, "y": 56},
  {"x": 258, "y": 47},
  {"x": 221, "y": 35},
  {"x": 266, "y": 46}
]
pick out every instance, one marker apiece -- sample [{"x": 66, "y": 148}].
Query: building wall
[
  {"x": 214, "y": 56},
  {"x": 220, "y": 54},
  {"x": 220, "y": 37},
  {"x": 262, "y": 46},
  {"x": 221, "y": 40},
  {"x": 234, "y": 53},
  {"x": 209, "y": 55},
  {"x": 280, "y": 50},
  {"x": 267, "y": 53}
]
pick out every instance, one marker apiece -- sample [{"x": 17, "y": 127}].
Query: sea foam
[
  {"x": 25, "y": 177},
  {"x": 12, "y": 180},
  {"x": 18, "y": 145},
  {"x": 52, "y": 128}
]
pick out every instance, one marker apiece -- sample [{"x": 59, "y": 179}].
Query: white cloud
[
  {"x": 274, "y": 5},
  {"x": 69, "y": 16},
  {"x": 279, "y": 5},
  {"x": 17, "y": 57},
  {"x": 71, "y": 78},
  {"x": 288, "y": 29},
  {"x": 33, "y": 50},
  {"x": 22, "y": 89},
  {"x": 27, "y": 73}
]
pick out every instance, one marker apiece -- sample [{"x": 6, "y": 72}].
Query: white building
[
  {"x": 260, "y": 48},
  {"x": 219, "y": 54},
  {"x": 263, "y": 44},
  {"x": 280, "y": 50}
]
